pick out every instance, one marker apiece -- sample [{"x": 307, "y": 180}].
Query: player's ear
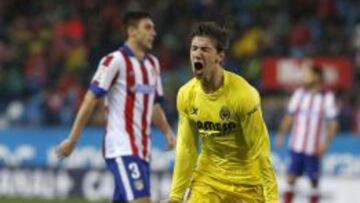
[
  {"x": 131, "y": 31},
  {"x": 221, "y": 57}
]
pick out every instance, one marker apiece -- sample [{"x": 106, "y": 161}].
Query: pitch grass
[{"x": 69, "y": 200}]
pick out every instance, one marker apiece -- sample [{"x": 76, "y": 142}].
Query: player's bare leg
[
  {"x": 289, "y": 193},
  {"x": 141, "y": 200},
  {"x": 314, "y": 197}
]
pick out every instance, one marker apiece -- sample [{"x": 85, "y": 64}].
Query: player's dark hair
[
  {"x": 132, "y": 18},
  {"x": 318, "y": 71},
  {"x": 215, "y": 32}
]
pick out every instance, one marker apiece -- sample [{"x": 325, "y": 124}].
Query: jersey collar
[
  {"x": 130, "y": 53},
  {"x": 217, "y": 93}
]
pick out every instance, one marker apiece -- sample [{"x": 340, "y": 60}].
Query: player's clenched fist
[{"x": 65, "y": 148}]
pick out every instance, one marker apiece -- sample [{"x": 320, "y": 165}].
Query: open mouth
[{"x": 198, "y": 66}]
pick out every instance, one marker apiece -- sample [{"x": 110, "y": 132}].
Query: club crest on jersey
[
  {"x": 139, "y": 185},
  {"x": 102, "y": 72},
  {"x": 224, "y": 113}
]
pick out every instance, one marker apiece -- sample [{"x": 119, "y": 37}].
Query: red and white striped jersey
[
  {"x": 130, "y": 87},
  {"x": 312, "y": 113}
]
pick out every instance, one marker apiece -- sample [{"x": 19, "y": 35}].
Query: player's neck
[
  {"x": 136, "y": 49},
  {"x": 315, "y": 88},
  {"x": 213, "y": 82}
]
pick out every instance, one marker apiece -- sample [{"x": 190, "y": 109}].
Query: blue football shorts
[{"x": 131, "y": 177}]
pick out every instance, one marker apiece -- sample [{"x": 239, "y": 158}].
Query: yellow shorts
[{"x": 205, "y": 189}]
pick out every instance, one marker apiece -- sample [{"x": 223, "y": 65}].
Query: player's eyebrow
[
  {"x": 149, "y": 25},
  {"x": 205, "y": 47}
]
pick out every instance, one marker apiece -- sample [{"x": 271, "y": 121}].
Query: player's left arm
[
  {"x": 330, "y": 133},
  {"x": 251, "y": 117},
  {"x": 330, "y": 111},
  {"x": 159, "y": 119},
  {"x": 256, "y": 135},
  {"x": 158, "y": 116}
]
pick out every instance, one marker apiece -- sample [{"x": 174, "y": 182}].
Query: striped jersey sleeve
[
  {"x": 330, "y": 109},
  {"x": 106, "y": 73},
  {"x": 294, "y": 101}
]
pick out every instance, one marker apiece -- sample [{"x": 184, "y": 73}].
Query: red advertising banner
[{"x": 278, "y": 73}]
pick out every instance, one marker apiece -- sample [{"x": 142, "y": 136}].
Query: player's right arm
[
  {"x": 106, "y": 74},
  {"x": 186, "y": 151},
  {"x": 285, "y": 125},
  {"x": 82, "y": 117},
  {"x": 287, "y": 121}
]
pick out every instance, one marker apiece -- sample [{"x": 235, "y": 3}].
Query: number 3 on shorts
[{"x": 135, "y": 172}]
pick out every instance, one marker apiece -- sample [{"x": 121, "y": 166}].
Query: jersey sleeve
[
  {"x": 269, "y": 180},
  {"x": 159, "y": 92},
  {"x": 251, "y": 103},
  {"x": 294, "y": 101},
  {"x": 186, "y": 152},
  {"x": 253, "y": 125},
  {"x": 106, "y": 73},
  {"x": 331, "y": 110},
  {"x": 256, "y": 136}
]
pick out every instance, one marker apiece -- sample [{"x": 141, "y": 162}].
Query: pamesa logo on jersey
[
  {"x": 210, "y": 128},
  {"x": 207, "y": 128}
]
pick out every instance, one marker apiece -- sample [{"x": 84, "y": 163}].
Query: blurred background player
[
  {"x": 312, "y": 115},
  {"x": 223, "y": 110},
  {"x": 129, "y": 78}
]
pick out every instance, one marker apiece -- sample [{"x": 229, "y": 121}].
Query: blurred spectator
[
  {"x": 249, "y": 44},
  {"x": 53, "y": 106},
  {"x": 35, "y": 68},
  {"x": 356, "y": 118},
  {"x": 300, "y": 36}
]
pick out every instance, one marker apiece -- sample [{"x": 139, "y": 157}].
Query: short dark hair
[
  {"x": 214, "y": 31},
  {"x": 318, "y": 71},
  {"x": 132, "y": 18}
]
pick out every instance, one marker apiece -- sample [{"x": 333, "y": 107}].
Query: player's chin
[
  {"x": 198, "y": 75},
  {"x": 148, "y": 47},
  {"x": 150, "y": 43}
]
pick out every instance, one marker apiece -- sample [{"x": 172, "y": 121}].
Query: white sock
[
  {"x": 289, "y": 187},
  {"x": 314, "y": 191}
]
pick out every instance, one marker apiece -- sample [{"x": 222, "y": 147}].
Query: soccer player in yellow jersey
[{"x": 223, "y": 111}]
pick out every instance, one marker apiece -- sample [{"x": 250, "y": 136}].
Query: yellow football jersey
[{"x": 235, "y": 145}]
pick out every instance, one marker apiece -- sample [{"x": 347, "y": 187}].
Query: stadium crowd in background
[{"x": 48, "y": 51}]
